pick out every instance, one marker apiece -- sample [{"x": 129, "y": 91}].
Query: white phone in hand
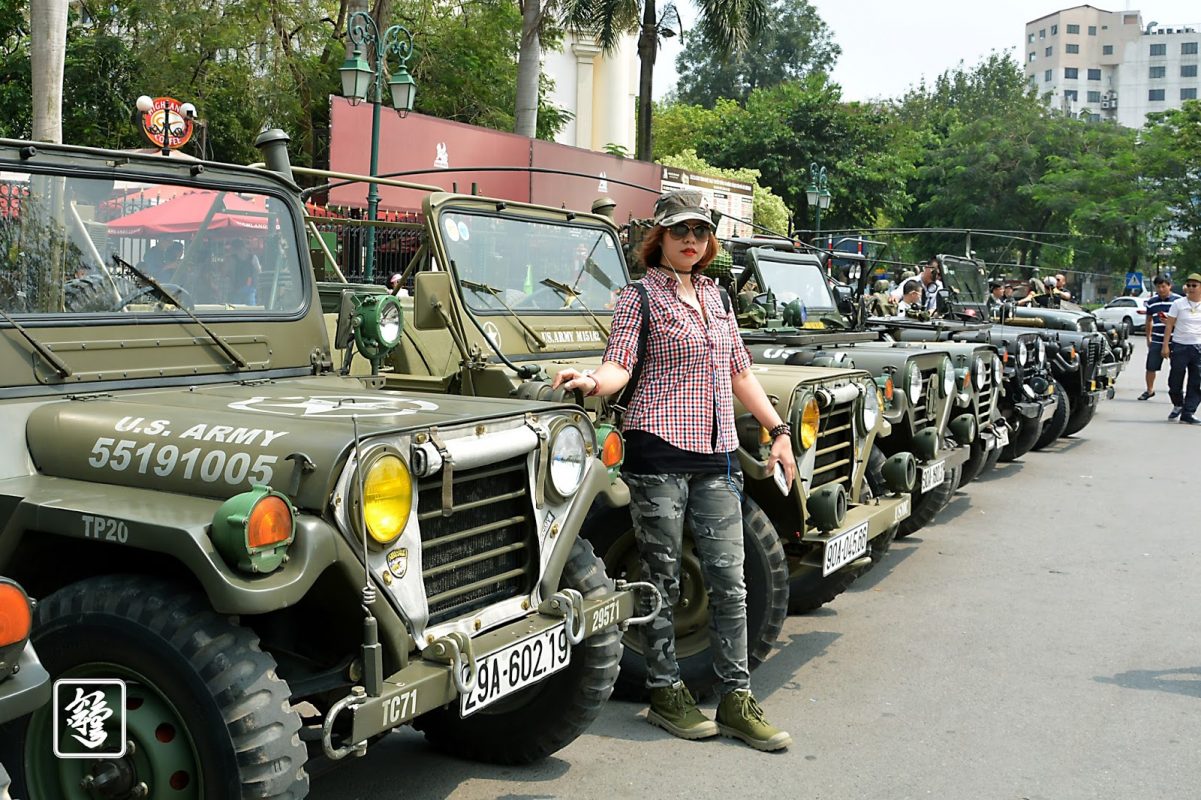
[{"x": 780, "y": 479}]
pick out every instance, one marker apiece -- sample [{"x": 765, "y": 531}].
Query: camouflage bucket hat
[{"x": 681, "y": 205}]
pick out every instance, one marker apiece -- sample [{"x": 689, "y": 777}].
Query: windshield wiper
[
  {"x": 571, "y": 294},
  {"x": 233, "y": 355},
  {"x": 496, "y": 294},
  {"x": 45, "y": 352}
]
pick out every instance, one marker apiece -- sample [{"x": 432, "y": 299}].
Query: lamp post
[
  {"x": 358, "y": 76},
  {"x": 818, "y": 195},
  {"x": 186, "y": 113}
]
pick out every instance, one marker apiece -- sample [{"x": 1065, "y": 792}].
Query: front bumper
[
  {"x": 428, "y": 683},
  {"x": 27, "y": 690},
  {"x": 880, "y": 514}
]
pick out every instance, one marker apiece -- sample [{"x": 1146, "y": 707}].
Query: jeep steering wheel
[{"x": 180, "y": 293}]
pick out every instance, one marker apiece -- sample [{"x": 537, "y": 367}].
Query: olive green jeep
[
  {"x": 505, "y": 294},
  {"x": 275, "y": 559}
]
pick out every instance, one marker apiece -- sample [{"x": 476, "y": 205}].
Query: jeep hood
[{"x": 216, "y": 441}]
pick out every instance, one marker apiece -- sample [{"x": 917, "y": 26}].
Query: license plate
[
  {"x": 1002, "y": 436},
  {"x": 517, "y": 666},
  {"x": 845, "y": 548},
  {"x": 933, "y": 475}
]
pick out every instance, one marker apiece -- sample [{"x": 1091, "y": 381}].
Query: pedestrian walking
[
  {"x": 1182, "y": 343},
  {"x": 681, "y": 462},
  {"x": 1157, "y": 311}
]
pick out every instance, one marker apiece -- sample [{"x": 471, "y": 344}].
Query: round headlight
[
  {"x": 914, "y": 383},
  {"x": 978, "y": 373},
  {"x": 1022, "y": 354},
  {"x": 1042, "y": 351},
  {"x": 568, "y": 458},
  {"x": 810, "y": 419},
  {"x": 998, "y": 369},
  {"x": 948, "y": 376},
  {"x": 871, "y": 407},
  {"x": 387, "y": 498},
  {"x": 389, "y": 324}
]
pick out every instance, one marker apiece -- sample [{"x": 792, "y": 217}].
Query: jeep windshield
[
  {"x": 67, "y": 245},
  {"x": 506, "y": 261},
  {"x": 795, "y": 278},
  {"x": 966, "y": 279}
]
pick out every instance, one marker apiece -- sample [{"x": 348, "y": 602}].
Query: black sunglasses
[{"x": 701, "y": 230}]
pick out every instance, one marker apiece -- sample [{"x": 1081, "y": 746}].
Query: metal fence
[{"x": 398, "y": 236}]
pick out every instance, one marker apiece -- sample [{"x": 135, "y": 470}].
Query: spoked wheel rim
[
  {"x": 160, "y": 753},
  {"x": 691, "y": 614}
]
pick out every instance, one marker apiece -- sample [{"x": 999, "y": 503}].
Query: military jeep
[
  {"x": 505, "y": 294},
  {"x": 274, "y": 559},
  {"x": 789, "y": 315}
]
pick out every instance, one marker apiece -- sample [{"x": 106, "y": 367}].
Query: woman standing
[{"x": 681, "y": 461}]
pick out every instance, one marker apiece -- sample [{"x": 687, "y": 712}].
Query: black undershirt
[{"x": 648, "y": 454}]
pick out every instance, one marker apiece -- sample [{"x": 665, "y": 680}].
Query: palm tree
[
  {"x": 725, "y": 25},
  {"x": 529, "y": 67},
  {"x": 48, "y": 35}
]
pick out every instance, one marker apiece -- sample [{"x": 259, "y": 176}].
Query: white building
[
  {"x": 1110, "y": 65},
  {"x": 600, "y": 89}
]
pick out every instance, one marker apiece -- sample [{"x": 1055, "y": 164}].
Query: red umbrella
[{"x": 184, "y": 215}]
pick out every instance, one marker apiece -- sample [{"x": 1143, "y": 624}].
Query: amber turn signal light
[
  {"x": 612, "y": 450},
  {"x": 16, "y": 616}
]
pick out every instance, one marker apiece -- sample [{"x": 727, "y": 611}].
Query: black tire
[
  {"x": 1127, "y": 327},
  {"x": 91, "y": 293},
  {"x": 547, "y": 716},
  {"x": 1081, "y": 416},
  {"x": 188, "y": 670},
  {"x": 1022, "y": 439},
  {"x": 969, "y": 470},
  {"x": 765, "y": 571},
  {"x": 1057, "y": 424},
  {"x": 926, "y": 506}
]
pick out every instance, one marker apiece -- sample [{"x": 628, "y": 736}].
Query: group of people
[{"x": 1174, "y": 334}]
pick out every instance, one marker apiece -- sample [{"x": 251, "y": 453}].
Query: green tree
[
  {"x": 725, "y": 26},
  {"x": 679, "y": 126},
  {"x": 792, "y": 42},
  {"x": 1171, "y": 156},
  {"x": 783, "y": 129}
]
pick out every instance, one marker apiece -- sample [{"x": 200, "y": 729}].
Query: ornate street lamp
[
  {"x": 818, "y": 195},
  {"x": 361, "y": 81}
]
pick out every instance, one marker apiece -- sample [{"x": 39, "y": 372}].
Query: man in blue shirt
[{"x": 1157, "y": 307}]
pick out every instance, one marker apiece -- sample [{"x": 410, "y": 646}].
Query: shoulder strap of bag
[
  {"x": 644, "y": 332},
  {"x": 725, "y": 298}
]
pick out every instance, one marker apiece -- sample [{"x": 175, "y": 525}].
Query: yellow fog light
[
  {"x": 810, "y": 418},
  {"x": 387, "y": 498}
]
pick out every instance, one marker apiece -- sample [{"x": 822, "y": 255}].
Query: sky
[{"x": 889, "y": 45}]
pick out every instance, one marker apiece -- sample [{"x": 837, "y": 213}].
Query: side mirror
[
  {"x": 844, "y": 298},
  {"x": 429, "y": 290}
]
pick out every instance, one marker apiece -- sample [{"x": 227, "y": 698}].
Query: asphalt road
[{"x": 1038, "y": 641}]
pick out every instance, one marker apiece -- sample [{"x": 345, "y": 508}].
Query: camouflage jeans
[{"x": 660, "y": 504}]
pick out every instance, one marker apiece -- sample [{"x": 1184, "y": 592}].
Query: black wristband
[{"x": 783, "y": 429}]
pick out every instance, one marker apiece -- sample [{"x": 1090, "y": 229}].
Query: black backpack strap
[{"x": 644, "y": 332}]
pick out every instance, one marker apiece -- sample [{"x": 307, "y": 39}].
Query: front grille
[
  {"x": 485, "y": 551},
  {"x": 985, "y": 397},
  {"x": 922, "y": 412},
  {"x": 1094, "y": 359},
  {"x": 835, "y": 461}
]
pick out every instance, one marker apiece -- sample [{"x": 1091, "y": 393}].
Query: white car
[{"x": 1129, "y": 312}]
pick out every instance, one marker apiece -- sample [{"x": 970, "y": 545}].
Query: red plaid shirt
[{"x": 683, "y": 395}]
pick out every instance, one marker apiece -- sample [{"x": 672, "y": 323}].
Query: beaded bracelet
[{"x": 783, "y": 429}]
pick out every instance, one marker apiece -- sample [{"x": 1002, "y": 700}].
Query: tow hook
[
  {"x": 456, "y": 650},
  {"x": 569, "y": 605},
  {"x": 357, "y": 696},
  {"x": 656, "y": 600}
]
